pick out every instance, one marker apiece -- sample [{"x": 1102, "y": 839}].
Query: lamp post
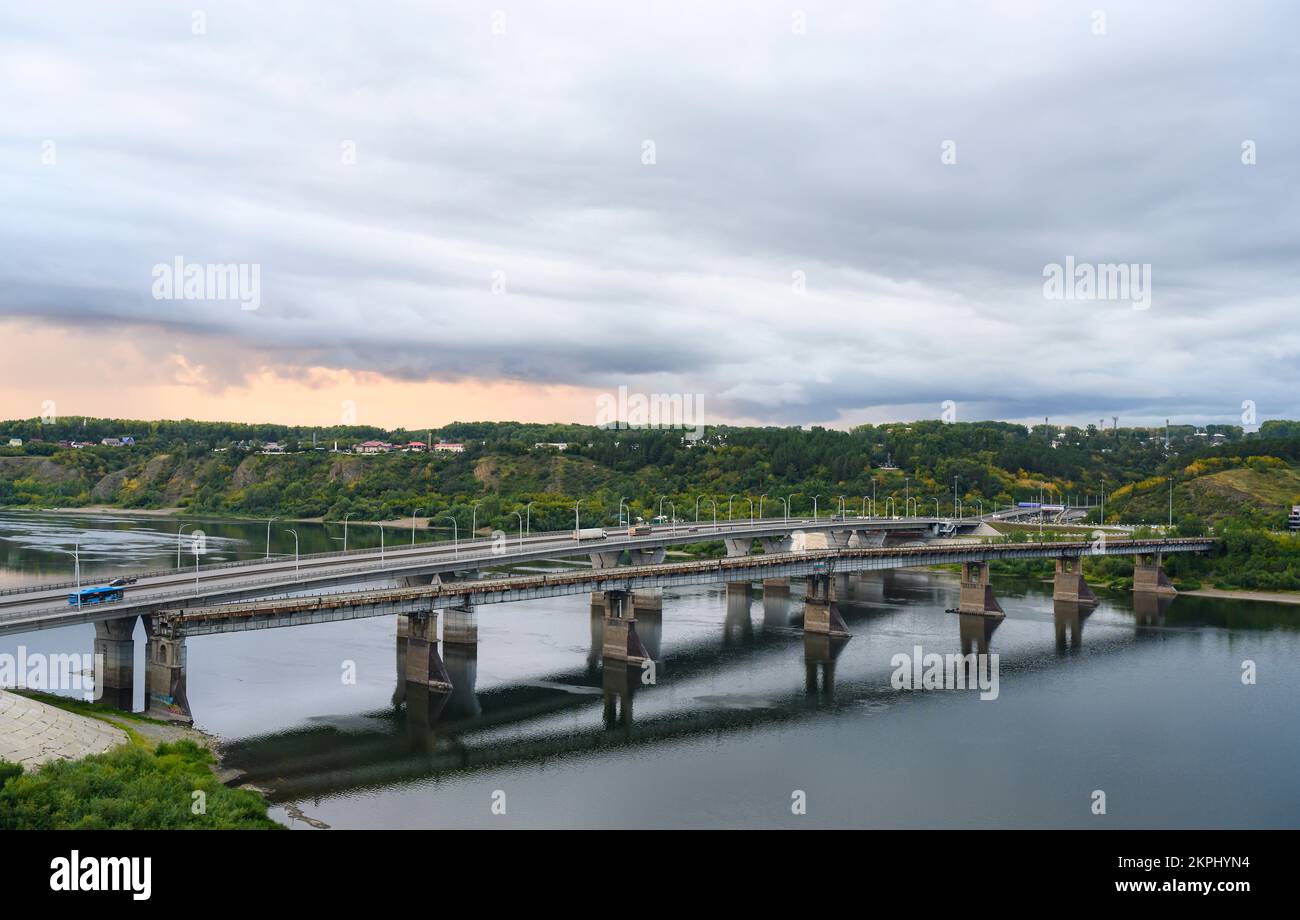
[
  {"x": 577, "y": 521},
  {"x": 842, "y": 508},
  {"x": 455, "y": 534},
  {"x": 268, "y": 539},
  {"x": 815, "y": 497},
  {"x": 413, "y": 513},
  {"x": 528, "y": 517},
  {"x": 937, "y": 512},
  {"x": 715, "y": 510},
  {"x": 762, "y": 498},
  {"x": 890, "y": 507},
  {"x": 786, "y": 503},
  {"x": 345, "y": 531},
  {"x": 673, "y": 508},
  {"x": 381, "y": 541},
  {"x": 621, "y": 502},
  {"x": 178, "y": 543},
  {"x": 907, "y": 492},
  {"x": 295, "y": 557},
  {"x": 473, "y": 520},
  {"x": 521, "y": 528},
  {"x": 76, "y": 566}
]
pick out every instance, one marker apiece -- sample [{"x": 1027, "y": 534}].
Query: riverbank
[{"x": 96, "y": 767}]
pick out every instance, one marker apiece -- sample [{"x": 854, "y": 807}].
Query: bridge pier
[
  {"x": 424, "y": 666},
  {"x": 738, "y": 546},
  {"x": 460, "y": 625},
  {"x": 738, "y": 625},
  {"x": 776, "y": 586},
  {"x": 820, "y": 613},
  {"x": 976, "y": 592},
  {"x": 165, "y": 696},
  {"x": 1069, "y": 584},
  {"x": 839, "y": 587},
  {"x": 1149, "y": 575},
  {"x": 620, "y": 641},
  {"x": 115, "y": 662}
]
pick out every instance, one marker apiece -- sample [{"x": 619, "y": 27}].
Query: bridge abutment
[
  {"x": 976, "y": 592},
  {"x": 115, "y": 662},
  {"x": 1149, "y": 575},
  {"x": 1069, "y": 584}
]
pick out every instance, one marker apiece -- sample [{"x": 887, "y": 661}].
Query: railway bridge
[{"x": 619, "y": 594}]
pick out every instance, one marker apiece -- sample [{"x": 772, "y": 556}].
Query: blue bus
[{"x": 105, "y": 594}]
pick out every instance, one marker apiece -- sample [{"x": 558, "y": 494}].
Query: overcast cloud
[{"x": 520, "y": 152}]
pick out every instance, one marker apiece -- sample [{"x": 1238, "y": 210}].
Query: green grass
[{"x": 130, "y": 787}]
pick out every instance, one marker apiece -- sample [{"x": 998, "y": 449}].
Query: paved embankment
[{"x": 33, "y": 733}]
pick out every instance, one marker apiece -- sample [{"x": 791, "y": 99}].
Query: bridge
[
  {"x": 46, "y": 606},
  {"x": 618, "y": 593}
]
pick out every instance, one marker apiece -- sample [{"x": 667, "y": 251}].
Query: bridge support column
[
  {"x": 738, "y": 546},
  {"x": 115, "y": 662},
  {"x": 976, "y": 592},
  {"x": 839, "y": 587},
  {"x": 1149, "y": 575},
  {"x": 1069, "y": 584},
  {"x": 776, "y": 586},
  {"x": 165, "y": 696},
  {"x": 423, "y": 664},
  {"x": 460, "y": 625},
  {"x": 620, "y": 641},
  {"x": 820, "y": 613}
]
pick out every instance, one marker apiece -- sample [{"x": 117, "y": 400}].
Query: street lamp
[
  {"x": 178, "y": 543},
  {"x": 673, "y": 507},
  {"x": 455, "y": 534},
  {"x": 521, "y": 528},
  {"x": 761, "y": 499},
  {"x": 413, "y": 512},
  {"x": 473, "y": 520},
  {"x": 76, "y": 566},
  {"x": 381, "y": 541},
  {"x": 815, "y": 497},
  {"x": 715, "y": 510},
  {"x": 621, "y": 502},
  {"x": 295, "y": 557},
  {"x": 345, "y": 531},
  {"x": 268, "y": 538},
  {"x": 528, "y": 517},
  {"x": 786, "y": 503},
  {"x": 577, "y": 521}
]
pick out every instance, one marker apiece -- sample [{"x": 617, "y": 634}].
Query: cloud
[{"x": 431, "y": 200}]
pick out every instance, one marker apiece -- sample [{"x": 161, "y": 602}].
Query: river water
[{"x": 745, "y": 717}]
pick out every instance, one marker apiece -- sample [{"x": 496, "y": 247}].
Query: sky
[{"x": 787, "y": 213}]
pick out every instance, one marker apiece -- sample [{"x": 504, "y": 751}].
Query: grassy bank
[{"x": 140, "y": 785}]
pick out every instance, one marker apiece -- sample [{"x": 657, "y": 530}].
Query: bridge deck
[{"x": 327, "y": 608}]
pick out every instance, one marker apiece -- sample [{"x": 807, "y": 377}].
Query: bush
[{"x": 128, "y": 788}]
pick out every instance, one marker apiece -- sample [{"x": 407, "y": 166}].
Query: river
[{"x": 745, "y": 718}]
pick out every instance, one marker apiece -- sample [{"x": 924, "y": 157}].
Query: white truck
[{"x": 589, "y": 533}]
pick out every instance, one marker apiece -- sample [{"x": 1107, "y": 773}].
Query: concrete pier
[
  {"x": 424, "y": 665},
  {"x": 115, "y": 662},
  {"x": 1069, "y": 584},
  {"x": 820, "y": 612},
  {"x": 976, "y": 592},
  {"x": 165, "y": 696},
  {"x": 620, "y": 641},
  {"x": 1149, "y": 575},
  {"x": 776, "y": 585},
  {"x": 460, "y": 625}
]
